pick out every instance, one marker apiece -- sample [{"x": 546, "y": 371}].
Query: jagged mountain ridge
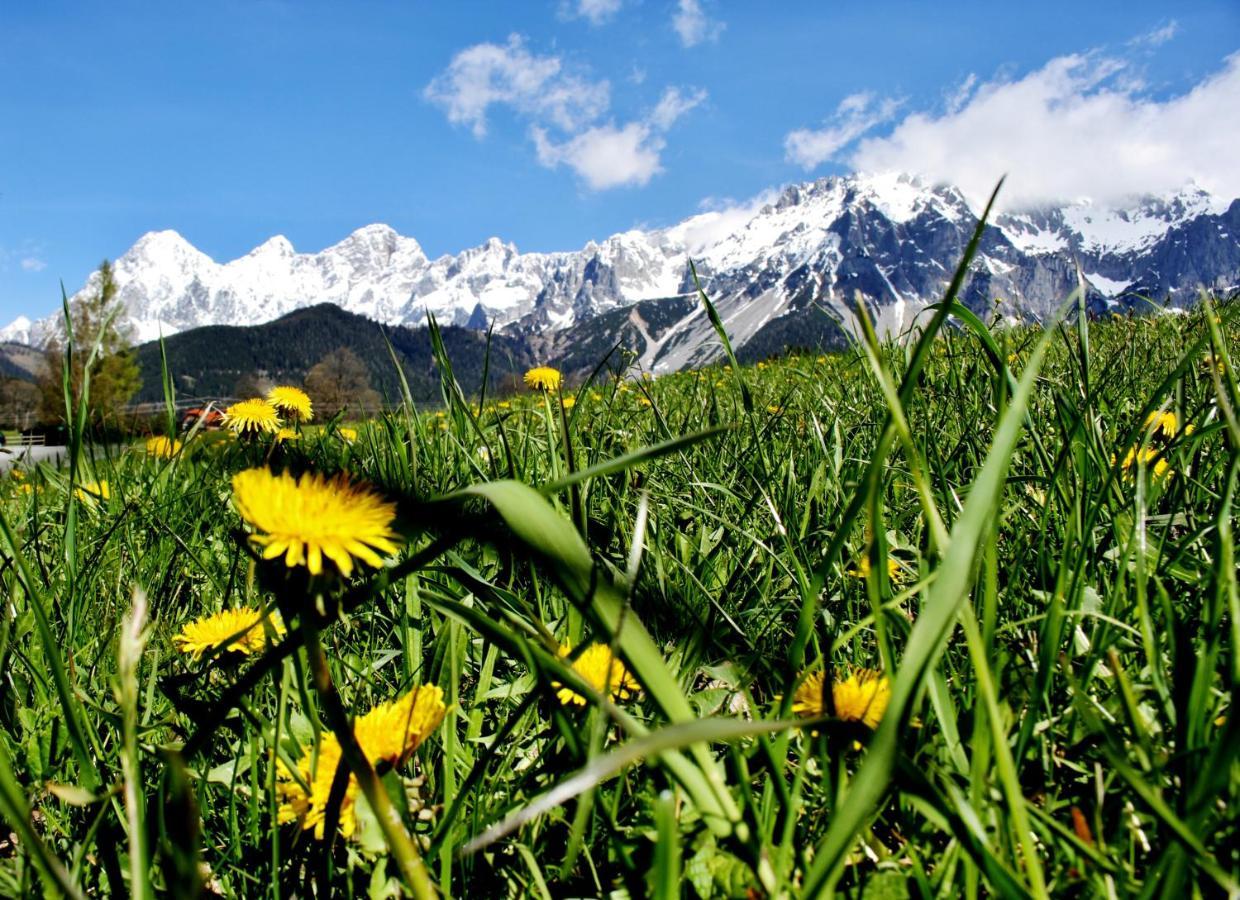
[{"x": 791, "y": 267}]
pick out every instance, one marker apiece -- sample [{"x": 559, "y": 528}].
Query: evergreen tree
[{"x": 97, "y": 322}]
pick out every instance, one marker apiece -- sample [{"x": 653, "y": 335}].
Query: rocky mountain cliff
[{"x": 787, "y": 273}]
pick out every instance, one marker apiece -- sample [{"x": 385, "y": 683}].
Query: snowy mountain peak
[
  {"x": 1087, "y": 227},
  {"x": 165, "y": 247},
  {"x": 275, "y": 246},
  {"x": 891, "y": 237}
]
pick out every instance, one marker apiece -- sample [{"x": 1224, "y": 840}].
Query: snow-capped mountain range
[{"x": 893, "y": 238}]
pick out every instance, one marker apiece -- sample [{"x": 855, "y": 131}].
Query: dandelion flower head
[
  {"x": 162, "y": 447},
  {"x": 861, "y": 697},
  {"x": 602, "y": 671},
  {"x": 1163, "y": 424},
  {"x": 90, "y": 491},
  {"x": 252, "y": 417},
  {"x": 291, "y": 403},
  {"x": 312, "y": 517},
  {"x": 1147, "y": 456},
  {"x": 389, "y": 733},
  {"x": 542, "y": 378},
  {"x": 242, "y": 629},
  {"x": 895, "y": 574}
]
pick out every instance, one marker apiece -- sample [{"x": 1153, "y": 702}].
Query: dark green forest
[{"x": 210, "y": 361}]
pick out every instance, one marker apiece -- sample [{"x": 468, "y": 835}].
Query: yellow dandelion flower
[
  {"x": 292, "y": 403},
  {"x": 252, "y": 417},
  {"x": 287, "y": 434},
  {"x": 1163, "y": 424},
  {"x": 894, "y": 572},
  {"x": 388, "y": 734},
  {"x": 1147, "y": 456},
  {"x": 504, "y": 404},
  {"x": 602, "y": 671},
  {"x": 644, "y": 402},
  {"x": 162, "y": 447},
  {"x": 348, "y": 435},
  {"x": 242, "y": 629},
  {"x": 1210, "y": 363},
  {"x": 542, "y": 378},
  {"x": 309, "y": 518},
  {"x": 569, "y": 402},
  {"x": 774, "y": 409},
  {"x": 91, "y": 491},
  {"x": 17, "y": 474},
  {"x": 861, "y": 697}
]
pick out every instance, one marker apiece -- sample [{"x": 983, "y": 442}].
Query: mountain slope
[
  {"x": 209, "y": 361},
  {"x": 797, "y": 263}
]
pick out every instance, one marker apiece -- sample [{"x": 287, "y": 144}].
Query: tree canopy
[{"x": 101, "y": 347}]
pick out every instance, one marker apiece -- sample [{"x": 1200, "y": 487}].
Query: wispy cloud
[
  {"x": 855, "y": 115},
  {"x": 32, "y": 264},
  {"x": 596, "y": 12},
  {"x": 693, "y": 25},
  {"x": 1157, "y": 36},
  {"x": 486, "y": 75},
  {"x": 609, "y": 156},
  {"x": 721, "y": 217},
  {"x": 562, "y": 109},
  {"x": 673, "y": 104}
]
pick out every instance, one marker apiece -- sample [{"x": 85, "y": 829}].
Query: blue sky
[{"x": 552, "y": 122}]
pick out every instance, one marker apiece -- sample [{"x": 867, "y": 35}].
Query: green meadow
[{"x": 952, "y": 616}]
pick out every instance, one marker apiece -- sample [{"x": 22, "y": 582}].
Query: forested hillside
[{"x": 211, "y": 361}]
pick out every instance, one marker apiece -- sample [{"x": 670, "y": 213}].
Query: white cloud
[
  {"x": 1158, "y": 36},
  {"x": 537, "y": 86},
  {"x": 596, "y": 12},
  {"x": 608, "y": 156},
  {"x": 1081, "y": 126},
  {"x": 856, "y": 114},
  {"x": 562, "y": 111},
  {"x": 33, "y": 264},
  {"x": 605, "y": 156},
  {"x": 692, "y": 25},
  {"x": 960, "y": 96},
  {"x": 673, "y": 104},
  {"x": 721, "y": 218}
]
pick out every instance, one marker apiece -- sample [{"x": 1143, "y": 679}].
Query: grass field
[{"x": 906, "y": 621}]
